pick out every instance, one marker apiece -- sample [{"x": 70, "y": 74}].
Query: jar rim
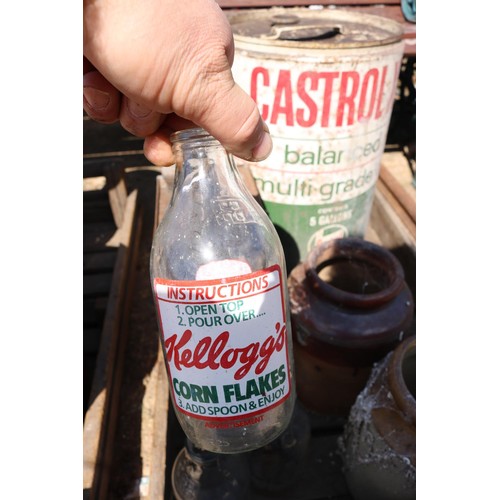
[
  {"x": 400, "y": 391},
  {"x": 361, "y": 250}
]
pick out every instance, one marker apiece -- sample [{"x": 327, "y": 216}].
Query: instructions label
[{"x": 226, "y": 344}]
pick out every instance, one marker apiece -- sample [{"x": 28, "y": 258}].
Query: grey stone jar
[{"x": 378, "y": 446}]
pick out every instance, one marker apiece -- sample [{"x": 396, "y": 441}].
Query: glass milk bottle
[{"x": 219, "y": 281}]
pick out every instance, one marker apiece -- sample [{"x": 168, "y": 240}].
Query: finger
[
  {"x": 233, "y": 118},
  {"x": 137, "y": 119},
  {"x": 101, "y": 100},
  {"x": 158, "y": 147}
]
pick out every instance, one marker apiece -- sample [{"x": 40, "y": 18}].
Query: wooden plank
[
  {"x": 117, "y": 191},
  {"x": 99, "y": 423},
  {"x": 393, "y": 234},
  {"x": 131, "y": 229},
  {"x": 140, "y": 446},
  {"x": 400, "y": 214},
  {"x": 102, "y": 145},
  {"x": 154, "y": 431},
  {"x": 386, "y": 222},
  {"x": 164, "y": 190},
  {"x": 397, "y": 190}
]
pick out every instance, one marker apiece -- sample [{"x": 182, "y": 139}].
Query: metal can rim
[{"x": 393, "y": 30}]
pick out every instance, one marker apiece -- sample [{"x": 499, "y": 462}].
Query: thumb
[{"x": 232, "y": 117}]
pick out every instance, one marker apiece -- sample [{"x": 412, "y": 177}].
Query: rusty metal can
[
  {"x": 350, "y": 306},
  {"x": 325, "y": 82}
]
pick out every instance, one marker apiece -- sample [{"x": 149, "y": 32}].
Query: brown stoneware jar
[
  {"x": 350, "y": 306},
  {"x": 378, "y": 445}
]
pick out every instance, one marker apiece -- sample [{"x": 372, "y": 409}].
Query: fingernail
[
  {"x": 138, "y": 110},
  {"x": 264, "y": 148},
  {"x": 97, "y": 99}
]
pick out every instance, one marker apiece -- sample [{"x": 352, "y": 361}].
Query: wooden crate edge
[{"x": 98, "y": 427}]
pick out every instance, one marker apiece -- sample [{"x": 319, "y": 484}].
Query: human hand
[{"x": 161, "y": 65}]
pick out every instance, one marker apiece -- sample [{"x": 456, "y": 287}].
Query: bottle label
[{"x": 225, "y": 342}]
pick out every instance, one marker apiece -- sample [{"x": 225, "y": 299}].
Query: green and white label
[{"x": 328, "y": 113}]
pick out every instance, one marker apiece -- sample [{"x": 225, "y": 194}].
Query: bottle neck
[
  {"x": 200, "y": 157},
  {"x": 192, "y": 136},
  {"x": 194, "y": 147}
]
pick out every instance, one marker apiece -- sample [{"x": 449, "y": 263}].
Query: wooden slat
[
  {"x": 397, "y": 190},
  {"x": 386, "y": 222},
  {"x": 114, "y": 195},
  {"x": 400, "y": 214},
  {"x": 393, "y": 234},
  {"x": 154, "y": 430},
  {"x": 117, "y": 192},
  {"x": 99, "y": 423},
  {"x": 164, "y": 189}
]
